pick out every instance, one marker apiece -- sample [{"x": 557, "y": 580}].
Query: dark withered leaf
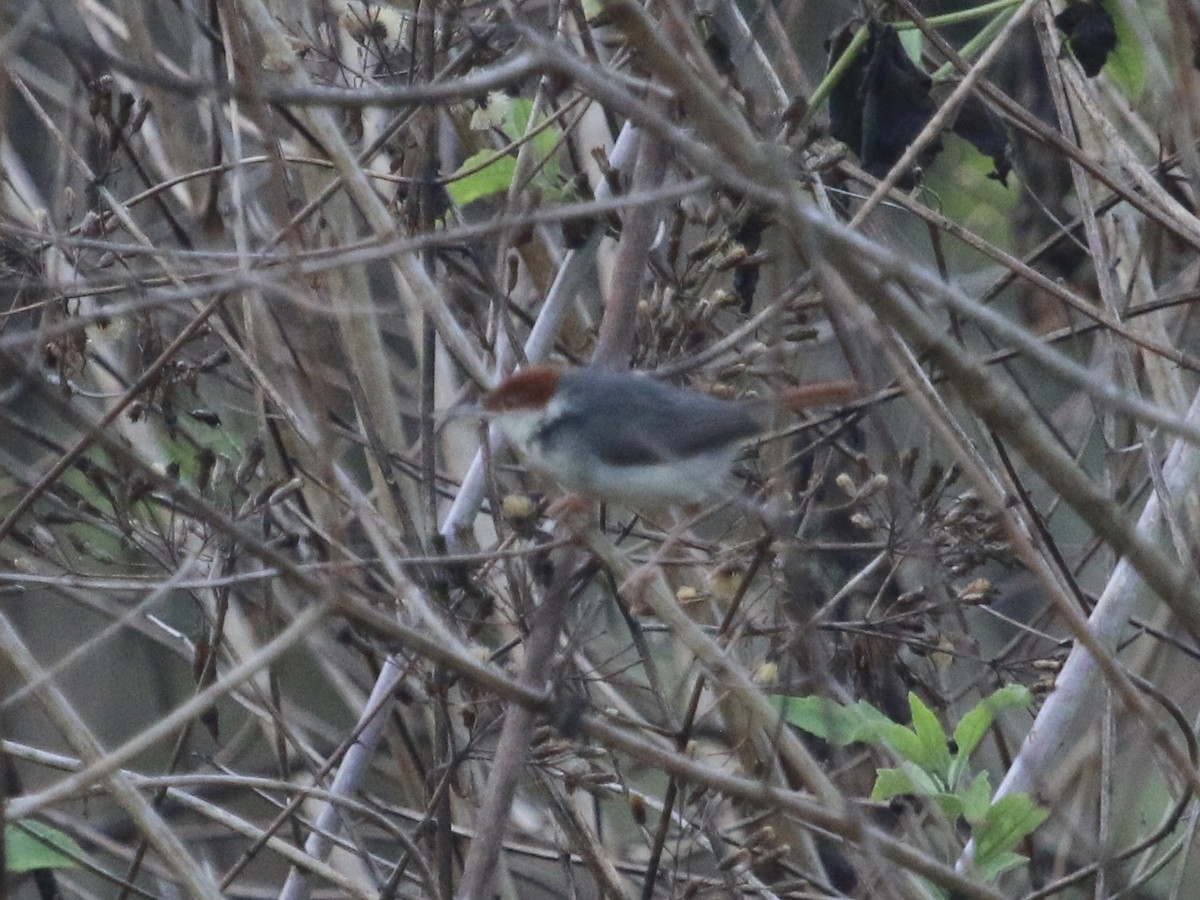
[
  {"x": 1174, "y": 185},
  {"x": 977, "y": 124},
  {"x": 718, "y": 51},
  {"x": 896, "y": 104},
  {"x": 211, "y": 720},
  {"x": 206, "y": 417},
  {"x": 845, "y": 100},
  {"x": 745, "y": 283},
  {"x": 745, "y": 278},
  {"x": 576, "y": 232},
  {"x": 749, "y": 232},
  {"x": 1091, "y": 34}
]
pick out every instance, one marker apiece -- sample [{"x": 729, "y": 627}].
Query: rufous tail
[{"x": 822, "y": 393}]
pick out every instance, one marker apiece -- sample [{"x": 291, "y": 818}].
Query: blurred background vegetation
[{"x": 274, "y": 596}]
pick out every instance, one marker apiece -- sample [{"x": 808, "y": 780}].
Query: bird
[{"x": 627, "y": 437}]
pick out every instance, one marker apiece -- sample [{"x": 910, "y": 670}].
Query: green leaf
[
  {"x": 493, "y": 178},
  {"x": 935, "y": 752},
  {"x": 913, "y": 43},
  {"x": 974, "y": 725},
  {"x": 999, "y": 864},
  {"x": 923, "y": 744},
  {"x": 815, "y": 715},
  {"x": 511, "y": 116},
  {"x": 1126, "y": 65},
  {"x": 830, "y": 721},
  {"x": 951, "y": 804},
  {"x": 23, "y": 852},
  {"x": 544, "y": 142},
  {"x": 891, "y": 783},
  {"x": 971, "y": 728},
  {"x": 976, "y": 799},
  {"x": 908, "y": 779},
  {"x": 902, "y": 741},
  {"x": 1011, "y": 696},
  {"x": 547, "y": 175},
  {"x": 1006, "y": 823}
]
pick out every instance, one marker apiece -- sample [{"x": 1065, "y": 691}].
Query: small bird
[{"x": 626, "y": 437}]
